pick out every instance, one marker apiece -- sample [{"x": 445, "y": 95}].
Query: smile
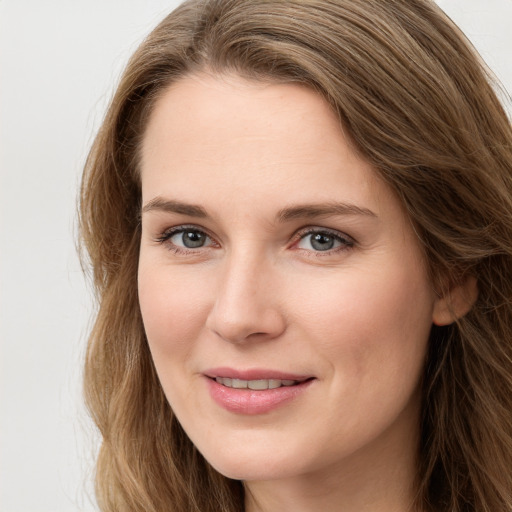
[
  {"x": 247, "y": 393},
  {"x": 259, "y": 384}
]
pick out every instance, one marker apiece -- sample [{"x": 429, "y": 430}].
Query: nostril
[{"x": 237, "y": 318}]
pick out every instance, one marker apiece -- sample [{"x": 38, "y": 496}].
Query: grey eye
[
  {"x": 190, "y": 239},
  {"x": 321, "y": 241}
]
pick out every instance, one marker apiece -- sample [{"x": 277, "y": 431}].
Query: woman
[{"x": 298, "y": 216}]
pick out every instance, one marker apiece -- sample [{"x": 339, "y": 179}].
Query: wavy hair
[{"x": 419, "y": 105}]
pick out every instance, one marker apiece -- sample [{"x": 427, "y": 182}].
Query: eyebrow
[
  {"x": 306, "y": 211},
  {"x": 300, "y": 211},
  {"x": 173, "y": 206}
]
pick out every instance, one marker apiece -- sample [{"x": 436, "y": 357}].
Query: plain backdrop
[{"x": 59, "y": 62}]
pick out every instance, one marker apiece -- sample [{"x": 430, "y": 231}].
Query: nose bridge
[{"x": 245, "y": 306}]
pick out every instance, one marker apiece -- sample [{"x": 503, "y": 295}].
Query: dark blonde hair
[{"x": 418, "y": 104}]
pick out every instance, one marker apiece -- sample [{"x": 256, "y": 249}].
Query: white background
[{"x": 59, "y": 61}]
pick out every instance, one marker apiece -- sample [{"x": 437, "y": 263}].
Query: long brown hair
[{"x": 418, "y": 104}]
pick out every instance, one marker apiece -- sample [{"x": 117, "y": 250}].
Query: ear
[{"x": 456, "y": 302}]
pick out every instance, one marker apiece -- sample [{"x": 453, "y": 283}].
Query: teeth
[
  {"x": 258, "y": 385},
  {"x": 274, "y": 383},
  {"x": 239, "y": 383}
]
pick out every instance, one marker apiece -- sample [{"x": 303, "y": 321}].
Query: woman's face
[{"x": 284, "y": 296}]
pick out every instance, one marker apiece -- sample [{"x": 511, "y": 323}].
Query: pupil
[
  {"x": 192, "y": 239},
  {"x": 322, "y": 242}
]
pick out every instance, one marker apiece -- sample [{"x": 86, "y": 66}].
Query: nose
[{"x": 246, "y": 306}]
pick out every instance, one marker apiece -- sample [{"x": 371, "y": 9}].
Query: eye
[
  {"x": 191, "y": 239},
  {"x": 184, "y": 238},
  {"x": 322, "y": 241}
]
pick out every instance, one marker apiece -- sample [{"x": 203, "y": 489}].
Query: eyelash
[
  {"x": 345, "y": 241},
  {"x": 165, "y": 237}
]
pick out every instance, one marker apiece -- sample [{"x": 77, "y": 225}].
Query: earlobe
[{"x": 456, "y": 303}]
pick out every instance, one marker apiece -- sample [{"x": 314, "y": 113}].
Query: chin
[
  {"x": 251, "y": 472},
  {"x": 250, "y": 465}
]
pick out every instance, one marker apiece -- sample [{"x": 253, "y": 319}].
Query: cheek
[
  {"x": 370, "y": 323},
  {"x": 173, "y": 309},
  {"x": 373, "y": 332}
]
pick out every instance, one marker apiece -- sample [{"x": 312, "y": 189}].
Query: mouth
[
  {"x": 255, "y": 391},
  {"x": 258, "y": 384}
]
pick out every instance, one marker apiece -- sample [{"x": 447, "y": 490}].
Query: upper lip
[{"x": 254, "y": 374}]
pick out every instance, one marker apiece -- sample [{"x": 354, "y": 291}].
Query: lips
[
  {"x": 254, "y": 374},
  {"x": 255, "y": 391},
  {"x": 257, "y": 384}
]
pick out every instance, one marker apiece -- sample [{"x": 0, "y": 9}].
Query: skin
[{"x": 258, "y": 294}]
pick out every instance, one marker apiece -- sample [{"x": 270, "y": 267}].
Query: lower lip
[{"x": 248, "y": 401}]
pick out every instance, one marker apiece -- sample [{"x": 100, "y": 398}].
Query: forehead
[{"x": 221, "y": 135}]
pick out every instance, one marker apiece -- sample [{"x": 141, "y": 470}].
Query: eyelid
[
  {"x": 166, "y": 234},
  {"x": 319, "y": 229},
  {"x": 346, "y": 242},
  {"x": 164, "y": 238}
]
